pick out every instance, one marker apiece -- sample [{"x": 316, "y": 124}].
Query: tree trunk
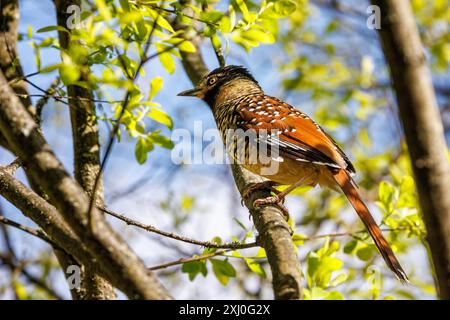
[
  {"x": 423, "y": 128},
  {"x": 119, "y": 263},
  {"x": 12, "y": 69},
  {"x": 86, "y": 150}
]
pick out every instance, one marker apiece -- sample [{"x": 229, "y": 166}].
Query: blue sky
[{"x": 217, "y": 200}]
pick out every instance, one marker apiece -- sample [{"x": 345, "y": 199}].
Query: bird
[{"x": 302, "y": 151}]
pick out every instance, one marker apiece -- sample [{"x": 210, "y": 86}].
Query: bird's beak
[{"x": 196, "y": 92}]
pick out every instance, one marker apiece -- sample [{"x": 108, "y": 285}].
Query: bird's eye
[{"x": 211, "y": 81}]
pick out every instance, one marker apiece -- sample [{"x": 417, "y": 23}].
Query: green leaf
[
  {"x": 29, "y": 31},
  {"x": 215, "y": 40},
  {"x": 334, "y": 295},
  {"x": 187, "y": 46},
  {"x": 245, "y": 13},
  {"x": 350, "y": 246},
  {"x": 50, "y": 68},
  {"x": 160, "y": 21},
  {"x": 162, "y": 117},
  {"x": 69, "y": 73},
  {"x": 125, "y": 5},
  {"x": 312, "y": 263},
  {"x": 190, "y": 267},
  {"x": 259, "y": 36},
  {"x": 255, "y": 267},
  {"x": 52, "y": 28},
  {"x": 225, "y": 25},
  {"x": 20, "y": 290},
  {"x": 212, "y": 16},
  {"x": 162, "y": 141},
  {"x": 165, "y": 58},
  {"x": 386, "y": 193},
  {"x": 365, "y": 253},
  {"x": 338, "y": 280},
  {"x": 240, "y": 224},
  {"x": 299, "y": 239},
  {"x": 327, "y": 266},
  {"x": 223, "y": 270},
  {"x": 285, "y": 7},
  {"x": 129, "y": 17},
  {"x": 193, "y": 268},
  {"x": 140, "y": 150},
  {"x": 155, "y": 86},
  {"x": 187, "y": 203}
]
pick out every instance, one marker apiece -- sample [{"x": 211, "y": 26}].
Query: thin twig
[
  {"x": 221, "y": 252},
  {"x": 185, "y": 260},
  {"x": 116, "y": 127},
  {"x": 14, "y": 80},
  {"x": 207, "y": 244},
  {"x": 173, "y": 11},
  {"x": 68, "y": 97},
  {"x": 344, "y": 234},
  {"x": 43, "y": 90},
  {"x": 34, "y": 232}
]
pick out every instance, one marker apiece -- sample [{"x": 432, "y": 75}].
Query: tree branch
[
  {"x": 221, "y": 252},
  {"x": 11, "y": 67},
  {"x": 121, "y": 265},
  {"x": 422, "y": 124},
  {"x": 192, "y": 259},
  {"x": 34, "y": 232},
  {"x": 150, "y": 228},
  {"x": 86, "y": 148}
]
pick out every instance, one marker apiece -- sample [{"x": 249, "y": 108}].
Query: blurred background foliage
[{"x": 318, "y": 55}]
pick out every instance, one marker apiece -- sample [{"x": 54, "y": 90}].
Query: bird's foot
[
  {"x": 265, "y": 185},
  {"x": 273, "y": 200}
]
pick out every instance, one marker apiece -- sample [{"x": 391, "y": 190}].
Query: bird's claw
[
  {"x": 265, "y": 185},
  {"x": 273, "y": 200}
]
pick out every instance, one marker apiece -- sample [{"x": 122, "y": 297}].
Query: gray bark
[
  {"x": 123, "y": 268},
  {"x": 86, "y": 150},
  {"x": 423, "y": 128}
]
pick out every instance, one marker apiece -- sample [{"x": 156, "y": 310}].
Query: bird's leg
[
  {"x": 265, "y": 185},
  {"x": 279, "y": 198}
]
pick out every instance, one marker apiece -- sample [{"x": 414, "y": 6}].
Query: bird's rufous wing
[{"x": 297, "y": 135}]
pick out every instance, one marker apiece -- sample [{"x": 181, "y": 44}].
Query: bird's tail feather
[{"x": 345, "y": 182}]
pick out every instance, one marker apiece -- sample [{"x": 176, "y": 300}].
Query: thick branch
[
  {"x": 274, "y": 232},
  {"x": 86, "y": 148},
  {"x": 121, "y": 265},
  {"x": 11, "y": 68},
  {"x": 69, "y": 249},
  {"x": 9, "y": 64},
  {"x": 41, "y": 212},
  {"x": 423, "y": 128}
]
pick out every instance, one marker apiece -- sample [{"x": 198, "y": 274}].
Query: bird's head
[{"x": 223, "y": 84}]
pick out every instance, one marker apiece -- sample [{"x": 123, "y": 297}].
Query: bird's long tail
[{"x": 345, "y": 182}]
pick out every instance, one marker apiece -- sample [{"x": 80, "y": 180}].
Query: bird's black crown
[{"x": 232, "y": 72}]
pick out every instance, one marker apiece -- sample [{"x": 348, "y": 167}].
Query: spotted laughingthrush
[{"x": 307, "y": 155}]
